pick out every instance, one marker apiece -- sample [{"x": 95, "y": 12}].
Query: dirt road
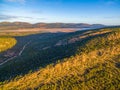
[{"x": 19, "y": 54}]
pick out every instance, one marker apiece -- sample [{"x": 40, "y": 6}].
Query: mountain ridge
[{"x": 48, "y": 25}]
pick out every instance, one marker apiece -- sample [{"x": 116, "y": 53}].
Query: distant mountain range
[{"x": 16, "y": 25}]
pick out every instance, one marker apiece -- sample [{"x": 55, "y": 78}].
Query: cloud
[
  {"x": 20, "y": 1},
  {"x": 112, "y": 17},
  {"x": 6, "y": 17},
  {"x": 9, "y": 17},
  {"x": 112, "y": 2}
]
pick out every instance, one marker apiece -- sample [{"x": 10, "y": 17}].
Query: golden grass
[
  {"x": 82, "y": 36},
  {"x": 7, "y": 43},
  {"x": 88, "y": 34},
  {"x": 73, "y": 66}
]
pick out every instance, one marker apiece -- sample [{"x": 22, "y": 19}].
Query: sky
[{"x": 67, "y": 11}]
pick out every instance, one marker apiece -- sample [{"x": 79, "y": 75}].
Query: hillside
[
  {"x": 6, "y": 43},
  {"x": 22, "y": 25},
  {"x": 82, "y": 60}
]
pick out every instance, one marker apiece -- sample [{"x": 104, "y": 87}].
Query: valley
[{"x": 87, "y": 59}]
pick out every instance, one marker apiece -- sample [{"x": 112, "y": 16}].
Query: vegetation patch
[{"x": 7, "y": 43}]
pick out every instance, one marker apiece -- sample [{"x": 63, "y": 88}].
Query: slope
[{"x": 94, "y": 66}]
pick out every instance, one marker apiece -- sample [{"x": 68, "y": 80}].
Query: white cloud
[
  {"x": 112, "y": 2},
  {"x": 20, "y": 1},
  {"x": 4, "y": 17}
]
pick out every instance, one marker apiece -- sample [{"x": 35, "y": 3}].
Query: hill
[
  {"x": 21, "y": 25},
  {"x": 82, "y": 60}
]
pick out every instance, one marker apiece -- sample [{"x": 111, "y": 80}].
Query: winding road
[
  {"x": 21, "y": 51},
  {"x": 19, "y": 54}
]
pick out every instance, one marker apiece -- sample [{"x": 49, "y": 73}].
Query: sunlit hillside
[
  {"x": 6, "y": 43},
  {"x": 95, "y": 64}
]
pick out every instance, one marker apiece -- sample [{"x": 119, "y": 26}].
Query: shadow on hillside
[{"x": 35, "y": 57}]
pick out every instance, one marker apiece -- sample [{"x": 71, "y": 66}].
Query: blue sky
[{"x": 67, "y": 11}]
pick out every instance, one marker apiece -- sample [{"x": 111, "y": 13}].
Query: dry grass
[
  {"x": 42, "y": 30},
  {"x": 55, "y": 76},
  {"x": 81, "y": 36},
  {"x": 6, "y": 43}
]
